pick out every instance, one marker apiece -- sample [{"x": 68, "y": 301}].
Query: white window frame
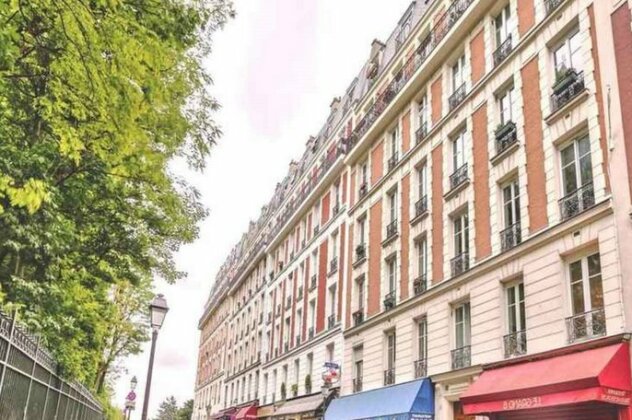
[
  {"x": 585, "y": 282},
  {"x": 567, "y": 53},
  {"x": 461, "y": 234},
  {"x": 576, "y": 164},
  {"x": 511, "y": 204},
  {"x": 515, "y": 307},
  {"x": 462, "y": 325}
]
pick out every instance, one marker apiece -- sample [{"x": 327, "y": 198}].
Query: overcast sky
[{"x": 276, "y": 68}]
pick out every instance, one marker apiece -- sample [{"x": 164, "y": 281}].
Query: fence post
[
  {"x": 9, "y": 344},
  {"x": 28, "y": 395}
]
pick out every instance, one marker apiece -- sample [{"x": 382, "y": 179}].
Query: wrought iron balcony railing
[
  {"x": 457, "y": 96},
  {"x": 389, "y": 300},
  {"x": 422, "y": 132},
  {"x": 420, "y": 284},
  {"x": 357, "y": 384},
  {"x": 360, "y": 252},
  {"x": 358, "y": 317},
  {"x": 299, "y": 293},
  {"x": 333, "y": 265},
  {"x": 269, "y": 320},
  {"x": 515, "y": 344},
  {"x": 310, "y": 332},
  {"x": 392, "y": 161},
  {"x": 316, "y": 230},
  {"x": 297, "y": 340},
  {"x": 363, "y": 190},
  {"x": 460, "y": 264},
  {"x": 421, "y": 206},
  {"x": 389, "y": 376},
  {"x": 587, "y": 325},
  {"x": 510, "y": 237},
  {"x": 566, "y": 88},
  {"x": 312, "y": 283},
  {"x": 391, "y": 229},
  {"x": 461, "y": 357},
  {"x": 421, "y": 368},
  {"x": 505, "y": 135},
  {"x": 578, "y": 201},
  {"x": 503, "y": 50},
  {"x": 286, "y": 346},
  {"x": 551, "y": 5},
  {"x": 336, "y": 209},
  {"x": 331, "y": 321},
  {"x": 459, "y": 176}
]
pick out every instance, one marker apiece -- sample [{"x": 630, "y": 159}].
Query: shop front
[
  {"x": 310, "y": 407},
  {"x": 406, "y": 401},
  {"x": 247, "y": 412},
  {"x": 590, "y": 383}
]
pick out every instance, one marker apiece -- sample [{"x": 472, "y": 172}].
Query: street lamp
[
  {"x": 130, "y": 400},
  {"x": 158, "y": 310}
]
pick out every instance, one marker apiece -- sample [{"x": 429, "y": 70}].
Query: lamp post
[
  {"x": 158, "y": 310},
  {"x": 130, "y": 400}
]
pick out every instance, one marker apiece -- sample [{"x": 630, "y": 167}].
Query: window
[
  {"x": 330, "y": 352},
  {"x": 458, "y": 73},
  {"x": 515, "y": 308},
  {"x": 392, "y": 206},
  {"x": 511, "y": 203},
  {"x": 312, "y": 313},
  {"x": 462, "y": 325},
  {"x": 364, "y": 174},
  {"x": 501, "y": 23},
  {"x": 505, "y": 105},
  {"x": 422, "y": 338},
  {"x": 567, "y": 54},
  {"x": 361, "y": 229},
  {"x": 394, "y": 142},
  {"x": 389, "y": 374},
  {"x": 334, "y": 247},
  {"x": 310, "y": 364},
  {"x": 299, "y": 323},
  {"x": 297, "y": 368},
  {"x": 332, "y": 300},
  {"x": 360, "y": 294},
  {"x": 391, "y": 269},
  {"x": 586, "y": 285},
  {"x": 576, "y": 165},
  {"x": 422, "y": 180},
  {"x": 461, "y": 234},
  {"x": 422, "y": 256},
  {"x": 336, "y": 193},
  {"x": 423, "y": 112},
  {"x": 458, "y": 151},
  {"x": 358, "y": 367}
]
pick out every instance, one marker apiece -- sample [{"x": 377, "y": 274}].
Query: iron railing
[
  {"x": 30, "y": 384},
  {"x": 389, "y": 300},
  {"x": 460, "y": 264},
  {"x": 364, "y": 189},
  {"x": 461, "y": 357},
  {"x": 392, "y": 161},
  {"x": 587, "y": 325},
  {"x": 333, "y": 265},
  {"x": 457, "y": 96},
  {"x": 421, "y": 368},
  {"x": 312, "y": 284},
  {"x": 358, "y": 317},
  {"x": 360, "y": 252},
  {"x": 391, "y": 229},
  {"x": 505, "y": 136},
  {"x": 421, "y": 206},
  {"x": 357, "y": 384},
  {"x": 331, "y": 321},
  {"x": 299, "y": 293},
  {"x": 503, "y": 50},
  {"x": 578, "y": 201},
  {"x": 459, "y": 176},
  {"x": 421, "y": 132},
  {"x": 551, "y": 5},
  {"x": 510, "y": 237},
  {"x": 571, "y": 85},
  {"x": 420, "y": 284},
  {"x": 389, "y": 376},
  {"x": 515, "y": 344},
  {"x": 310, "y": 333}
]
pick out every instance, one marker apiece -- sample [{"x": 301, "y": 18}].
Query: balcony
[
  {"x": 316, "y": 230},
  {"x": 577, "y": 202},
  {"x": 460, "y": 264},
  {"x": 312, "y": 283},
  {"x": 357, "y": 384},
  {"x": 360, "y": 252},
  {"x": 299, "y": 293},
  {"x": 506, "y": 136},
  {"x": 389, "y": 300},
  {"x": 457, "y": 97},
  {"x": 422, "y": 132},
  {"x": 510, "y": 237},
  {"x": 288, "y": 302},
  {"x": 278, "y": 309},
  {"x": 364, "y": 189},
  {"x": 568, "y": 84},
  {"x": 551, "y": 5},
  {"x": 503, "y": 51},
  {"x": 331, "y": 321},
  {"x": 333, "y": 265},
  {"x": 420, "y": 285},
  {"x": 585, "y": 326},
  {"x": 391, "y": 230},
  {"x": 336, "y": 209},
  {"x": 298, "y": 340},
  {"x": 286, "y": 346},
  {"x": 458, "y": 177},
  {"x": 310, "y": 333},
  {"x": 515, "y": 344},
  {"x": 392, "y": 161},
  {"x": 461, "y": 357},
  {"x": 269, "y": 320},
  {"x": 421, "y": 206},
  {"x": 389, "y": 376},
  {"x": 421, "y": 368},
  {"x": 358, "y": 317}
]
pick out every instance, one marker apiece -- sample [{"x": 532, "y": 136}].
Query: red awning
[
  {"x": 601, "y": 374},
  {"x": 244, "y": 413}
]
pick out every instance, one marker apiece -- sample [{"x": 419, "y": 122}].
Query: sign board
[
  {"x": 331, "y": 372},
  {"x": 131, "y": 396}
]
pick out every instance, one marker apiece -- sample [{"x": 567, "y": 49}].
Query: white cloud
[{"x": 276, "y": 68}]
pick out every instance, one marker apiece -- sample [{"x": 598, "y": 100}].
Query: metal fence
[{"x": 30, "y": 386}]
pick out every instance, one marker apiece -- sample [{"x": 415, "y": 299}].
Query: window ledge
[
  {"x": 359, "y": 262},
  {"x": 419, "y": 218},
  {"x": 454, "y": 191},
  {"x": 390, "y": 239},
  {"x": 499, "y": 157},
  {"x": 556, "y": 115}
]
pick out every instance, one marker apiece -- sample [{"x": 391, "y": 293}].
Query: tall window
[
  {"x": 299, "y": 323},
  {"x": 567, "y": 54},
  {"x": 361, "y": 226},
  {"x": 360, "y": 294},
  {"x": 358, "y": 367},
  {"x": 586, "y": 284},
  {"x": 316, "y": 217},
  {"x": 330, "y": 352},
  {"x": 461, "y": 234},
  {"x": 310, "y": 364},
  {"x": 334, "y": 245},
  {"x": 332, "y": 300},
  {"x": 516, "y": 318},
  {"x": 458, "y": 73},
  {"x": 394, "y": 142},
  {"x": 458, "y": 151},
  {"x": 390, "y": 350},
  {"x": 297, "y": 369},
  {"x": 364, "y": 174},
  {"x": 511, "y": 203},
  {"x": 312, "y": 313},
  {"x": 422, "y": 256},
  {"x": 501, "y": 23},
  {"x": 422, "y": 338},
  {"x": 576, "y": 165},
  {"x": 505, "y": 105},
  {"x": 391, "y": 268},
  {"x": 462, "y": 325},
  {"x": 423, "y": 112},
  {"x": 422, "y": 180},
  {"x": 392, "y": 206}
]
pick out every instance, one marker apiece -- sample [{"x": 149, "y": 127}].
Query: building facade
[{"x": 463, "y": 216}]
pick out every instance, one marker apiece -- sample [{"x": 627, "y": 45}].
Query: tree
[
  {"x": 168, "y": 409},
  {"x": 97, "y": 97},
  {"x": 186, "y": 411}
]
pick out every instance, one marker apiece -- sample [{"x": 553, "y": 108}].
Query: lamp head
[{"x": 158, "y": 310}]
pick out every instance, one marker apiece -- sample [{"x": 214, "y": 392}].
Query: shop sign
[{"x": 331, "y": 372}]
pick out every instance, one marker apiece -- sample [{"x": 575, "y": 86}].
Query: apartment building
[{"x": 474, "y": 263}]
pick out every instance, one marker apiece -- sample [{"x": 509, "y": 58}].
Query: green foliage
[
  {"x": 169, "y": 410},
  {"x": 97, "y": 97},
  {"x": 186, "y": 411}
]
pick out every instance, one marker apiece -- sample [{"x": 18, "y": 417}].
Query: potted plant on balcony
[
  {"x": 294, "y": 390},
  {"x": 308, "y": 384},
  {"x": 283, "y": 391},
  {"x": 564, "y": 76},
  {"x": 502, "y": 129}
]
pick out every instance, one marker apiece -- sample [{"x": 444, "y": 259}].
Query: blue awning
[{"x": 410, "y": 400}]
